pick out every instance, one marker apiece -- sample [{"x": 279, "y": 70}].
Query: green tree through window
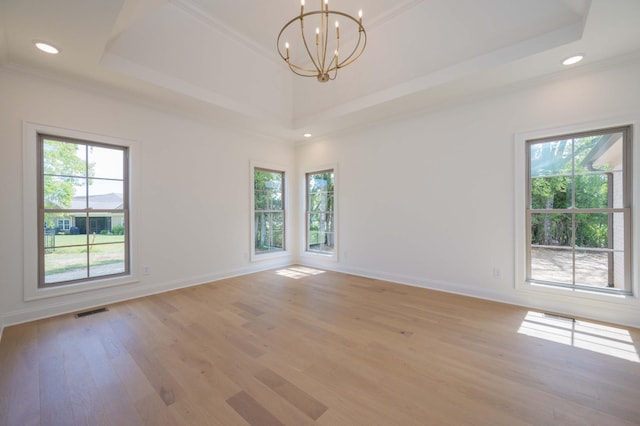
[
  {"x": 269, "y": 211},
  {"x": 578, "y": 210},
  {"x": 320, "y": 221}
]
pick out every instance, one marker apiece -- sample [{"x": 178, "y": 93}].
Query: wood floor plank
[
  {"x": 300, "y": 346},
  {"x": 296, "y": 396},
  {"x": 22, "y": 379},
  {"x": 252, "y": 411}
]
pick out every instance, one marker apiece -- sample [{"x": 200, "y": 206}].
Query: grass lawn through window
[{"x": 66, "y": 257}]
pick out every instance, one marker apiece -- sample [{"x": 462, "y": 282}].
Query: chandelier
[{"x": 323, "y": 56}]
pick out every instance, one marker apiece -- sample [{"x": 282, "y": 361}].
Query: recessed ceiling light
[
  {"x": 573, "y": 60},
  {"x": 307, "y": 135},
  {"x": 46, "y": 47}
]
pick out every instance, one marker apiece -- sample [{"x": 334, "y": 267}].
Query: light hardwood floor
[{"x": 299, "y": 346}]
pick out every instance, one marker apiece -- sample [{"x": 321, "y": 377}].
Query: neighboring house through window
[
  {"x": 82, "y": 211},
  {"x": 578, "y": 210}
]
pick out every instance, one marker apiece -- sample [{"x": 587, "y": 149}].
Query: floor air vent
[{"x": 91, "y": 312}]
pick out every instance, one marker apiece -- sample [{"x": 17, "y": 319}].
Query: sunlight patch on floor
[
  {"x": 599, "y": 338},
  {"x": 297, "y": 272}
]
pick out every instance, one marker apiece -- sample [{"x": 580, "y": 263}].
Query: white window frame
[
  {"x": 315, "y": 255},
  {"x": 30, "y": 212},
  {"x": 256, "y": 257},
  {"x": 520, "y": 197}
]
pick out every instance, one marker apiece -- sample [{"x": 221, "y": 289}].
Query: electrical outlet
[
  {"x": 497, "y": 273},
  {"x": 146, "y": 270}
]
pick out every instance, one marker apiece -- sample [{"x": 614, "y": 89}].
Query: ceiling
[{"x": 217, "y": 59}]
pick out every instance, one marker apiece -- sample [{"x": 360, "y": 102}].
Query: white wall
[
  {"x": 429, "y": 200},
  {"x": 193, "y": 197}
]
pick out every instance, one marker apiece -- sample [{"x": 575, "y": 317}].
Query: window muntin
[
  {"x": 269, "y": 211},
  {"x": 578, "y": 210},
  {"x": 86, "y": 184},
  {"x": 320, "y": 215}
]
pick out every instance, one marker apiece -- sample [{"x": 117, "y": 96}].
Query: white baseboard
[
  {"x": 122, "y": 293},
  {"x": 615, "y": 314},
  {"x": 429, "y": 284}
]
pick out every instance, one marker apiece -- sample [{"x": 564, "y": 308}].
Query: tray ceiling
[{"x": 217, "y": 58}]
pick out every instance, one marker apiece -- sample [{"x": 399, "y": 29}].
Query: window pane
[
  {"x": 261, "y": 200},
  {"x": 262, "y": 231},
  {"x": 552, "y": 265},
  {"x": 592, "y": 268},
  {"x": 113, "y": 227},
  {"x": 617, "y": 189},
  {"x": 56, "y": 237},
  {"x": 583, "y": 150},
  {"x": 314, "y": 239},
  {"x": 106, "y": 259},
  {"x": 106, "y": 194},
  {"x": 599, "y": 152},
  {"x": 100, "y": 223},
  {"x": 592, "y": 191},
  {"x": 321, "y": 222},
  {"x": 551, "y": 229},
  {"x": 551, "y": 192},
  {"x": 106, "y": 162},
  {"x": 550, "y": 158},
  {"x": 64, "y": 264},
  {"x": 592, "y": 230},
  {"x": 276, "y": 201},
  {"x": 63, "y": 192},
  {"x": 64, "y": 158}
]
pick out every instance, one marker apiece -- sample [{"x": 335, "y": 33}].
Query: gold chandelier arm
[
  {"x": 334, "y": 64},
  {"x": 293, "y": 68},
  {"x": 348, "y": 60},
  {"x": 306, "y": 46},
  {"x": 325, "y": 35}
]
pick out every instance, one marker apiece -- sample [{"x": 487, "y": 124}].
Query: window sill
[
  {"x": 586, "y": 294},
  {"x": 260, "y": 257},
  {"x": 315, "y": 254}
]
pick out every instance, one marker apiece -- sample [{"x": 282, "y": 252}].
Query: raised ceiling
[{"x": 218, "y": 59}]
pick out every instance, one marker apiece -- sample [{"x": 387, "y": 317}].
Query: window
[
  {"x": 269, "y": 211},
  {"x": 578, "y": 210},
  {"x": 83, "y": 191},
  {"x": 63, "y": 224},
  {"x": 320, "y": 218}
]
